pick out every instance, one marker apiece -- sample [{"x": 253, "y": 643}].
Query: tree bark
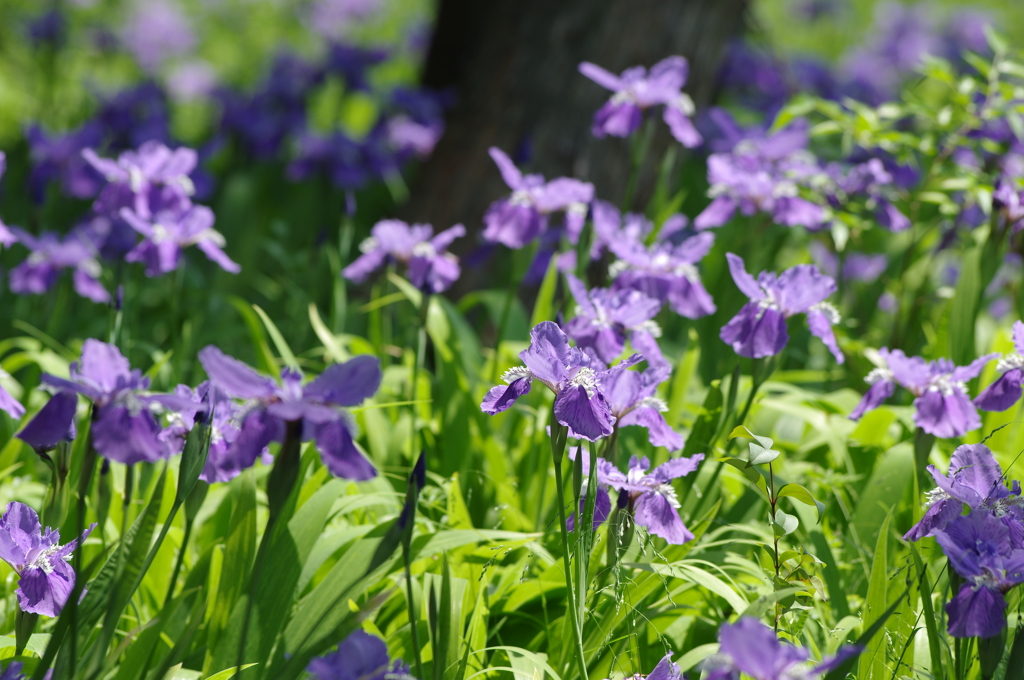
[{"x": 513, "y": 67}]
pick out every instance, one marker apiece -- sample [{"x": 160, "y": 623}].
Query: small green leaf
[
  {"x": 544, "y": 307},
  {"x": 758, "y": 607},
  {"x": 275, "y": 335},
  {"x": 228, "y": 672},
  {"x": 799, "y": 493},
  {"x": 784, "y": 524}
]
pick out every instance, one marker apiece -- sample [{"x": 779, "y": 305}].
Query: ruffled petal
[{"x": 340, "y": 455}]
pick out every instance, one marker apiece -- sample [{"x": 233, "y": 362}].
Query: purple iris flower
[
  {"x": 192, "y": 80},
  {"x": 352, "y": 63},
  {"x": 124, "y": 428},
  {"x": 750, "y": 647},
  {"x": 664, "y": 271},
  {"x": 152, "y": 179},
  {"x": 331, "y": 18},
  {"x": 759, "y": 329},
  {"x": 636, "y": 90},
  {"x": 412, "y": 138},
  {"x": 765, "y": 174},
  {"x": 155, "y": 31},
  {"x": 43, "y": 433},
  {"x": 523, "y": 216},
  {"x": 666, "y": 670},
  {"x": 46, "y": 578},
  {"x": 58, "y": 158},
  {"x": 651, "y": 498},
  {"x": 979, "y": 548},
  {"x": 360, "y": 656},
  {"x": 943, "y": 407},
  {"x": 166, "y": 233},
  {"x": 316, "y": 404},
  {"x": 341, "y": 159},
  {"x": 975, "y": 480},
  {"x": 856, "y": 266},
  {"x": 224, "y": 429},
  {"x": 631, "y": 398},
  {"x": 567, "y": 371},
  {"x": 13, "y": 672},
  {"x": 605, "y": 318},
  {"x": 1006, "y": 390},
  {"x": 9, "y": 404},
  {"x": 872, "y": 183},
  {"x": 6, "y": 236},
  {"x": 50, "y": 254},
  {"x": 1009, "y": 200},
  {"x": 430, "y": 266}
]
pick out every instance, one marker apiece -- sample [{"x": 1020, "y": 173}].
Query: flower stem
[
  {"x": 558, "y": 436},
  {"x": 413, "y": 619}
]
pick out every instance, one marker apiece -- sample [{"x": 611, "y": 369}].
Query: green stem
[
  {"x": 178, "y": 562},
  {"x": 413, "y": 619},
  {"x": 558, "y": 432},
  {"x": 421, "y": 351}
]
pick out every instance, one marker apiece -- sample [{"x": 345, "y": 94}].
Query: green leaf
[
  {"x": 784, "y": 524},
  {"x": 698, "y": 653},
  {"x": 799, "y": 493},
  {"x": 275, "y": 335},
  {"x": 760, "y": 606},
  {"x": 833, "y": 581},
  {"x": 761, "y": 452},
  {"x": 841, "y": 671},
  {"x": 229, "y": 672},
  {"x": 889, "y": 480},
  {"x": 706, "y": 425},
  {"x": 692, "y": 574},
  {"x": 872, "y": 659},
  {"x": 265, "y": 359},
  {"x": 544, "y": 307},
  {"x": 964, "y": 309},
  {"x": 193, "y": 459}
]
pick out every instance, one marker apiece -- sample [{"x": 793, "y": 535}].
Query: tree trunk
[{"x": 513, "y": 67}]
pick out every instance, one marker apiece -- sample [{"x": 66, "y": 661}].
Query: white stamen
[
  {"x": 1010, "y": 362},
  {"x": 520, "y": 197},
  {"x": 160, "y": 234},
  {"x": 585, "y": 378},
  {"x": 934, "y": 496},
  {"x": 668, "y": 491},
  {"x": 653, "y": 402},
  {"x": 651, "y": 326},
  {"x": 424, "y": 249},
  {"x": 623, "y": 97},
  {"x": 617, "y": 268},
  {"x": 879, "y": 375},
  {"x": 685, "y": 104},
  {"x": 829, "y": 311},
  {"x": 946, "y": 385},
  {"x": 515, "y": 373},
  {"x": 686, "y": 270},
  {"x": 136, "y": 179},
  {"x": 42, "y": 560},
  {"x": 369, "y": 245}
]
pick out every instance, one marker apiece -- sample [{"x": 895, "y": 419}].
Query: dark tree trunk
[{"x": 513, "y": 66}]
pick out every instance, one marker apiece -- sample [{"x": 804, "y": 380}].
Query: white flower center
[
  {"x": 515, "y": 373},
  {"x": 585, "y": 378},
  {"x": 668, "y": 492},
  {"x": 1010, "y": 362},
  {"x": 946, "y": 385},
  {"x": 686, "y": 270},
  {"x": 369, "y": 245},
  {"x": 829, "y": 311},
  {"x": 617, "y": 268},
  {"x": 136, "y": 179},
  {"x": 42, "y": 560},
  {"x": 623, "y": 97},
  {"x": 652, "y": 402},
  {"x": 424, "y": 249},
  {"x": 160, "y": 234},
  {"x": 934, "y": 496},
  {"x": 521, "y": 197},
  {"x": 685, "y": 104},
  {"x": 879, "y": 375},
  {"x": 651, "y": 326},
  {"x": 577, "y": 209}
]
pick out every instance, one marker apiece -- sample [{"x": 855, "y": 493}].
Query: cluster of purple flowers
[
  {"x": 942, "y": 406},
  {"x": 149, "y": 194},
  {"x": 749, "y": 648},
  {"x": 428, "y": 264},
  {"x": 985, "y": 546},
  {"x": 249, "y": 411}
]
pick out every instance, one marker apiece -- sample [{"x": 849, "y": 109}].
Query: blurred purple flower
[
  {"x": 523, "y": 216},
  {"x": 605, "y": 318},
  {"x": 333, "y": 18},
  {"x": 856, "y": 266},
  {"x": 1006, "y": 390},
  {"x": 360, "y": 656},
  {"x": 351, "y": 63},
  {"x": 342, "y": 160},
  {"x": 49, "y": 28},
  {"x": 630, "y": 397},
  {"x": 166, "y": 233},
  {"x": 979, "y": 550},
  {"x": 135, "y": 116},
  {"x": 155, "y": 31},
  {"x": 942, "y": 405},
  {"x": 316, "y": 405},
  {"x": 429, "y": 266},
  {"x": 636, "y": 90},
  {"x": 975, "y": 480},
  {"x": 192, "y": 80},
  {"x": 410, "y": 138},
  {"x": 45, "y": 577},
  {"x": 750, "y": 647},
  {"x": 662, "y": 270},
  {"x": 567, "y": 371},
  {"x": 41, "y": 433},
  {"x": 9, "y": 404},
  {"x": 152, "y": 179},
  {"x": 759, "y": 329},
  {"x": 765, "y": 174},
  {"x": 49, "y": 255},
  {"x": 58, "y": 158}
]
